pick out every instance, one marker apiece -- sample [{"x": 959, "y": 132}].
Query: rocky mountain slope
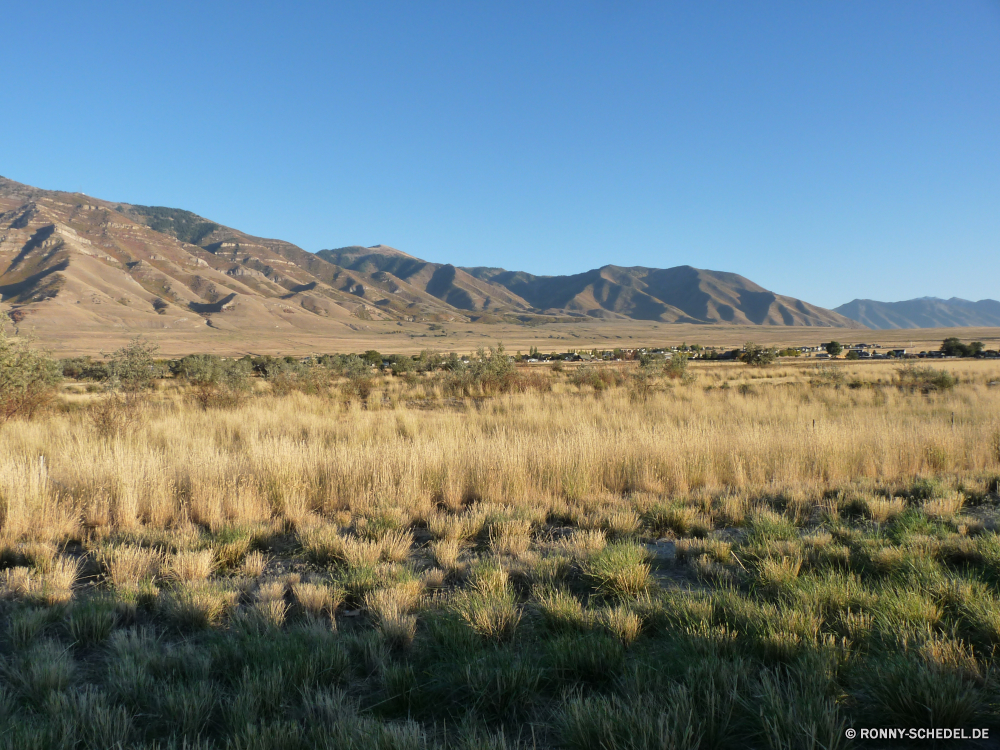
[
  {"x": 925, "y": 312},
  {"x": 74, "y": 263}
]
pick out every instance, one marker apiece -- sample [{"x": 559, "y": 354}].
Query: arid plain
[{"x": 464, "y": 338}]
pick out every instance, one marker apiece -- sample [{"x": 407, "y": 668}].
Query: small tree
[
  {"x": 130, "y": 373},
  {"x": 132, "y": 368},
  {"x": 757, "y": 356},
  {"x": 833, "y": 348},
  {"x": 28, "y": 378},
  {"x": 952, "y": 347}
]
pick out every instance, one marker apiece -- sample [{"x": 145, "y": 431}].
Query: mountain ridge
[
  {"x": 83, "y": 263},
  {"x": 682, "y": 294},
  {"x": 922, "y": 312}
]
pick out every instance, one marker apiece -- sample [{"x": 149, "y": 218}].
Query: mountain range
[
  {"x": 925, "y": 312},
  {"x": 82, "y": 263},
  {"x": 79, "y": 263}
]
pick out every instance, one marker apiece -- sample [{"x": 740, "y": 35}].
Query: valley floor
[{"x": 65, "y": 336}]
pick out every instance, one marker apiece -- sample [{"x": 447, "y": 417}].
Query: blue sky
[{"x": 826, "y": 150}]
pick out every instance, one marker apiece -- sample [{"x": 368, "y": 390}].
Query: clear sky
[{"x": 826, "y": 150}]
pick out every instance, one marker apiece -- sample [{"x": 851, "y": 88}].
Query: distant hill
[
  {"x": 673, "y": 295},
  {"x": 924, "y": 312},
  {"x": 72, "y": 263}
]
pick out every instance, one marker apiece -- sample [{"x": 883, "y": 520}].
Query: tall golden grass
[{"x": 295, "y": 457}]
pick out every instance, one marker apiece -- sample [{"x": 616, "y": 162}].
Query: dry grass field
[
  {"x": 407, "y": 337},
  {"x": 596, "y": 558}
]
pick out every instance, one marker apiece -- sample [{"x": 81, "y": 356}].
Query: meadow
[{"x": 599, "y": 558}]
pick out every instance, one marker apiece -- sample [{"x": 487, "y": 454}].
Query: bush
[
  {"x": 925, "y": 379},
  {"x": 357, "y": 370},
  {"x": 129, "y": 374},
  {"x": 287, "y": 374},
  {"x": 215, "y": 381},
  {"x": 489, "y": 373},
  {"x": 83, "y": 368},
  {"x": 597, "y": 378},
  {"x": 132, "y": 368},
  {"x": 757, "y": 356},
  {"x": 676, "y": 367},
  {"x": 28, "y": 378}
]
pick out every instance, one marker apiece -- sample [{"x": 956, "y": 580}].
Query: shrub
[
  {"x": 490, "y": 372},
  {"x": 28, "y": 378},
  {"x": 215, "y": 381},
  {"x": 132, "y": 368},
  {"x": 676, "y": 367},
  {"x": 288, "y": 374},
  {"x": 597, "y": 378},
  {"x": 925, "y": 379},
  {"x": 757, "y": 356},
  {"x": 83, "y": 368},
  {"x": 130, "y": 372}
]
